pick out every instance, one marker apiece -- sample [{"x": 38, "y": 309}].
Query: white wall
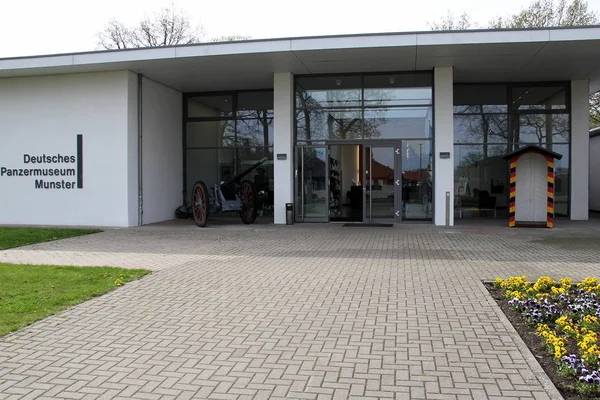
[
  {"x": 443, "y": 142},
  {"x": 283, "y": 143},
  {"x": 132, "y": 149},
  {"x": 44, "y": 115},
  {"x": 580, "y": 149},
  {"x": 595, "y": 173},
  {"x": 161, "y": 151}
]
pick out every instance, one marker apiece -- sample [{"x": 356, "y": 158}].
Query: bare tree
[
  {"x": 547, "y": 13},
  {"x": 595, "y": 110},
  {"x": 230, "y": 38},
  {"x": 449, "y": 23},
  {"x": 539, "y": 14},
  {"x": 169, "y": 26}
]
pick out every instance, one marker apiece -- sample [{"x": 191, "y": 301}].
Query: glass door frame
[
  {"x": 299, "y": 178},
  {"x": 396, "y": 146}
]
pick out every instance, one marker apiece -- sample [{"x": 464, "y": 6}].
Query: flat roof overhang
[{"x": 511, "y": 55}]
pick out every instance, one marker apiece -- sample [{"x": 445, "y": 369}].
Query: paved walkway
[{"x": 298, "y": 312}]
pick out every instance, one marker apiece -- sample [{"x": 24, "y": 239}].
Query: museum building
[{"x": 394, "y": 127}]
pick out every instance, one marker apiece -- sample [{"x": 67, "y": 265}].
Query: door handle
[
  {"x": 397, "y": 213},
  {"x": 397, "y": 151},
  {"x": 397, "y": 182}
]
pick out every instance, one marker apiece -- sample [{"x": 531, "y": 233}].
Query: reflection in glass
[
  {"x": 538, "y": 98},
  {"x": 417, "y": 184},
  {"x": 210, "y": 106},
  {"x": 542, "y": 128},
  {"x": 261, "y": 177},
  {"x": 561, "y": 179},
  {"x": 345, "y": 177},
  {"x": 209, "y": 165},
  {"x": 397, "y": 96},
  {"x": 328, "y": 91},
  {"x": 311, "y": 192},
  {"x": 210, "y": 134},
  {"x": 480, "y": 128},
  {"x": 398, "y": 123},
  {"x": 323, "y": 124},
  {"x": 480, "y": 181},
  {"x": 255, "y": 132},
  {"x": 380, "y": 182}
]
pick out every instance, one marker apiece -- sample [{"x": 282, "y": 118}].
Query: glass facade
[
  {"x": 371, "y": 136},
  {"x": 379, "y": 106},
  {"x": 226, "y": 133},
  {"x": 493, "y": 120}
]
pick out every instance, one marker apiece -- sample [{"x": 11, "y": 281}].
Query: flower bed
[{"x": 565, "y": 317}]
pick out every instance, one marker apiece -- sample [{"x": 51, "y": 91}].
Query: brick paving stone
[{"x": 300, "y": 312}]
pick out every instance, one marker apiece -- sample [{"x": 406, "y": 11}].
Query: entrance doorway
[{"x": 366, "y": 182}]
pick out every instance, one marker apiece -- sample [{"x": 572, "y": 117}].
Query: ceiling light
[
  {"x": 338, "y": 82},
  {"x": 392, "y": 80}
]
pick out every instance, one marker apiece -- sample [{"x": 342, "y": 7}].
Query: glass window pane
[
  {"x": 396, "y": 123},
  {"x": 262, "y": 176},
  {"x": 255, "y": 132},
  {"x": 480, "y": 181},
  {"x": 328, "y": 91},
  {"x": 394, "y": 90},
  {"x": 254, "y": 104},
  {"x": 481, "y": 128},
  {"x": 477, "y": 99},
  {"x": 324, "y": 124},
  {"x": 561, "y": 179},
  {"x": 538, "y": 98},
  {"x": 210, "y": 134},
  {"x": 311, "y": 181},
  {"x": 413, "y": 80},
  {"x": 210, "y": 106},
  {"x": 542, "y": 128},
  {"x": 211, "y": 166},
  {"x": 417, "y": 185}
]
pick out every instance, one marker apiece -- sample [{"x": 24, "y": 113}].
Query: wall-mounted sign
[
  {"x": 444, "y": 154},
  {"x": 282, "y": 156},
  {"x": 54, "y": 171}
]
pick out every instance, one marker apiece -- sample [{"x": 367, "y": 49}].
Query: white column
[
  {"x": 580, "y": 149},
  {"x": 283, "y": 143},
  {"x": 443, "y": 103}
]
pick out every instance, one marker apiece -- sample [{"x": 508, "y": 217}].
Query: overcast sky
[{"x": 62, "y": 26}]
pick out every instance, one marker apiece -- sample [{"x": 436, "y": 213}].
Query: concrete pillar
[
  {"x": 443, "y": 103},
  {"x": 283, "y": 143},
  {"x": 580, "y": 149}
]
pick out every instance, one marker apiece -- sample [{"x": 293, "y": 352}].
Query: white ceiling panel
[
  {"x": 479, "y": 50},
  {"x": 477, "y": 56}
]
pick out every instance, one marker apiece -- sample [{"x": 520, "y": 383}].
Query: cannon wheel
[
  {"x": 248, "y": 196},
  {"x": 200, "y": 204}
]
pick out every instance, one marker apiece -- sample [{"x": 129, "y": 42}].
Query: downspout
[{"x": 139, "y": 148}]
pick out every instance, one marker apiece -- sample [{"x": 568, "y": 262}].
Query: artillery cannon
[{"x": 233, "y": 195}]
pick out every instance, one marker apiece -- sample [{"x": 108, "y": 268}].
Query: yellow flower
[
  {"x": 543, "y": 283},
  {"x": 566, "y": 283},
  {"x": 562, "y": 320},
  {"x": 558, "y": 291},
  {"x": 589, "y": 284},
  {"x": 590, "y": 319}
]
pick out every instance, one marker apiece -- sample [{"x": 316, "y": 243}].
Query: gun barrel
[{"x": 237, "y": 178}]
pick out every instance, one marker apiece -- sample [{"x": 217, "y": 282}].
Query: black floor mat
[{"x": 375, "y": 225}]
